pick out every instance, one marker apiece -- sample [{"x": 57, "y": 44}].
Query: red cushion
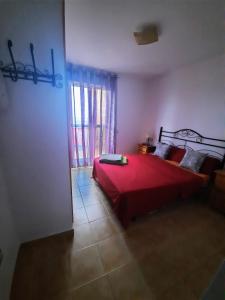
[
  {"x": 209, "y": 165},
  {"x": 176, "y": 154}
]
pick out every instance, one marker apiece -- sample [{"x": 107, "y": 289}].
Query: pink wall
[
  {"x": 132, "y": 95},
  {"x": 191, "y": 97}
]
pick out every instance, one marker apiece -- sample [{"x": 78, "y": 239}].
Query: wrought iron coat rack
[{"x": 17, "y": 70}]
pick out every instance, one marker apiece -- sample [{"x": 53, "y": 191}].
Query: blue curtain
[
  {"x": 91, "y": 76},
  {"x": 93, "y": 113}
]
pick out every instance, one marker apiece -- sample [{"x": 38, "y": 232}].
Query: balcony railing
[{"x": 82, "y": 134}]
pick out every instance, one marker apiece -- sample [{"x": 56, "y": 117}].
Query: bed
[{"x": 148, "y": 183}]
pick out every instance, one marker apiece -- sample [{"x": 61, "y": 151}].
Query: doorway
[{"x": 92, "y": 122}]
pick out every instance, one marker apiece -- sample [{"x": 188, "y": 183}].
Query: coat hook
[
  {"x": 17, "y": 70},
  {"x": 53, "y": 67},
  {"x": 13, "y": 74},
  {"x": 33, "y": 61}
]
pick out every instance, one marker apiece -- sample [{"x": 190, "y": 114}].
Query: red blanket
[{"x": 145, "y": 184}]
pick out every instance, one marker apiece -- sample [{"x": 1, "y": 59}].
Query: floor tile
[
  {"x": 82, "y": 174},
  {"x": 201, "y": 277},
  {"x": 52, "y": 259},
  {"x": 83, "y": 236},
  {"x": 177, "y": 292},
  {"x": 76, "y": 191},
  {"x": 90, "y": 190},
  {"x": 138, "y": 244},
  {"x": 119, "y": 227},
  {"x": 24, "y": 275},
  {"x": 80, "y": 216},
  {"x": 182, "y": 256},
  {"x": 105, "y": 202},
  {"x": 90, "y": 199},
  {"x": 103, "y": 229},
  {"x": 75, "y": 188},
  {"x": 158, "y": 273},
  {"x": 113, "y": 252},
  {"x": 77, "y": 202},
  {"x": 95, "y": 212},
  {"x": 97, "y": 290},
  {"x": 85, "y": 181},
  {"x": 85, "y": 265},
  {"x": 82, "y": 171},
  {"x": 171, "y": 254},
  {"x": 66, "y": 295},
  {"x": 214, "y": 261},
  {"x": 198, "y": 281},
  {"x": 128, "y": 284}
]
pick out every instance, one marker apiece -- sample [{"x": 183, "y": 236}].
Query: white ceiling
[{"x": 99, "y": 33}]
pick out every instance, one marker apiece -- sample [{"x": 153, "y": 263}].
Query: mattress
[{"x": 145, "y": 184}]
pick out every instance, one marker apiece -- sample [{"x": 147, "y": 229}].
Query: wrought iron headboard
[{"x": 192, "y": 136}]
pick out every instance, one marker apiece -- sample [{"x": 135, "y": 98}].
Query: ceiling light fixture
[{"x": 146, "y": 36}]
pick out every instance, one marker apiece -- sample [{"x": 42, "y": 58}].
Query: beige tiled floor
[{"x": 169, "y": 255}]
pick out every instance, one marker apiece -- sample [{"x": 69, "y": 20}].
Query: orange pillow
[{"x": 176, "y": 154}]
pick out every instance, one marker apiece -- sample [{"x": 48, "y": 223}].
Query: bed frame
[{"x": 189, "y": 136}]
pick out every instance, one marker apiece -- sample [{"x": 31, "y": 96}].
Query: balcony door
[{"x": 93, "y": 121}]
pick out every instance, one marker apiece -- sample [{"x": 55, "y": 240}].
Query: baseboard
[{"x": 66, "y": 234}]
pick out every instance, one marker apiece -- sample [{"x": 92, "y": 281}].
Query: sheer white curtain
[{"x": 93, "y": 114}]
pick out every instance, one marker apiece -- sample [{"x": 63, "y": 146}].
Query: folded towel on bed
[
  {"x": 114, "y": 159},
  {"x": 110, "y": 157}
]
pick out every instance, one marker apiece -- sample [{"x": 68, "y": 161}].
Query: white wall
[
  {"x": 131, "y": 102},
  {"x": 9, "y": 241},
  {"x": 33, "y": 131},
  {"x": 191, "y": 97}
]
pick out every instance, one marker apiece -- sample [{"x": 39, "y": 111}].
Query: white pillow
[
  {"x": 162, "y": 150},
  {"x": 193, "y": 160}
]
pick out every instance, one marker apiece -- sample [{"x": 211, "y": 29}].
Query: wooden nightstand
[
  {"x": 217, "y": 196},
  {"x": 145, "y": 149}
]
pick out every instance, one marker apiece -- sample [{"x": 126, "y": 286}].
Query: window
[
  {"x": 93, "y": 113},
  {"x": 89, "y": 123}
]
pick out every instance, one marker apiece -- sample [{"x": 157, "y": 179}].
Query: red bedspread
[{"x": 145, "y": 184}]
